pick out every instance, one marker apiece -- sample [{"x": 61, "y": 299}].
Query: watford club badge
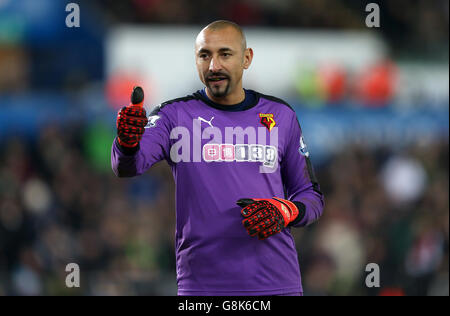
[{"x": 267, "y": 120}]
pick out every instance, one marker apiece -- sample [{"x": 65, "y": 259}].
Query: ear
[{"x": 248, "y": 57}]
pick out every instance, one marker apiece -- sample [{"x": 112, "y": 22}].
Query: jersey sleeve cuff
[
  {"x": 301, "y": 213},
  {"x": 127, "y": 151}
]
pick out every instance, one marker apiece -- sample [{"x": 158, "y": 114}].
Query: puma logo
[
  {"x": 152, "y": 121},
  {"x": 208, "y": 122}
]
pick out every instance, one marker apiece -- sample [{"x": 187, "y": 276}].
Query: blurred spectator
[{"x": 14, "y": 64}]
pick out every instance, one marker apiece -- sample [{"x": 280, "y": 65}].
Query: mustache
[{"x": 217, "y": 74}]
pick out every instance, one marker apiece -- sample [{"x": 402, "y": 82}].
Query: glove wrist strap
[
  {"x": 301, "y": 213},
  {"x": 288, "y": 209},
  {"x": 126, "y": 149}
]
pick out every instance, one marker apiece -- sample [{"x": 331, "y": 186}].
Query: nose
[{"x": 214, "y": 65}]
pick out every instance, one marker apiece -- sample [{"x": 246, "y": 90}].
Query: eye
[
  {"x": 203, "y": 56},
  {"x": 226, "y": 54}
]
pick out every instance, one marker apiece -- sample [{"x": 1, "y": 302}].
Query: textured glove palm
[
  {"x": 265, "y": 217},
  {"x": 131, "y": 120}
]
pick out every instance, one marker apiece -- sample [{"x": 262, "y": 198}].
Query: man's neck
[{"x": 229, "y": 99}]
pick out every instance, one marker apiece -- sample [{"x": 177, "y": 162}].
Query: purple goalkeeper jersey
[{"x": 218, "y": 155}]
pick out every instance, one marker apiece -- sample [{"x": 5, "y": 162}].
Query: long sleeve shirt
[{"x": 218, "y": 155}]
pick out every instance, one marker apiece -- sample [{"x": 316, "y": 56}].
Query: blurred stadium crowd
[
  {"x": 61, "y": 203},
  {"x": 385, "y": 207}
]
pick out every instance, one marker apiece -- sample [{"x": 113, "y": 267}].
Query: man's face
[{"x": 221, "y": 59}]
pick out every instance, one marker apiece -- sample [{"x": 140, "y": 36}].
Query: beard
[{"x": 219, "y": 91}]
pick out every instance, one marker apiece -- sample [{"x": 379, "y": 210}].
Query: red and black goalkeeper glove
[
  {"x": 131, "y": 120},
  {"x": 265, "y": 217}
]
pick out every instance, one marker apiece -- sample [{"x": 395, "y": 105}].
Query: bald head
[
  {"x": 223, "y": 24},
  {"x": 221, "y": 56}
]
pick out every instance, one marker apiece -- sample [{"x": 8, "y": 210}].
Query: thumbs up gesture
[{"x": 131, "y": 120}]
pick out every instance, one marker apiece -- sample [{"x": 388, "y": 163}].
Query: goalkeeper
[{"x": 238, "y": 193}]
